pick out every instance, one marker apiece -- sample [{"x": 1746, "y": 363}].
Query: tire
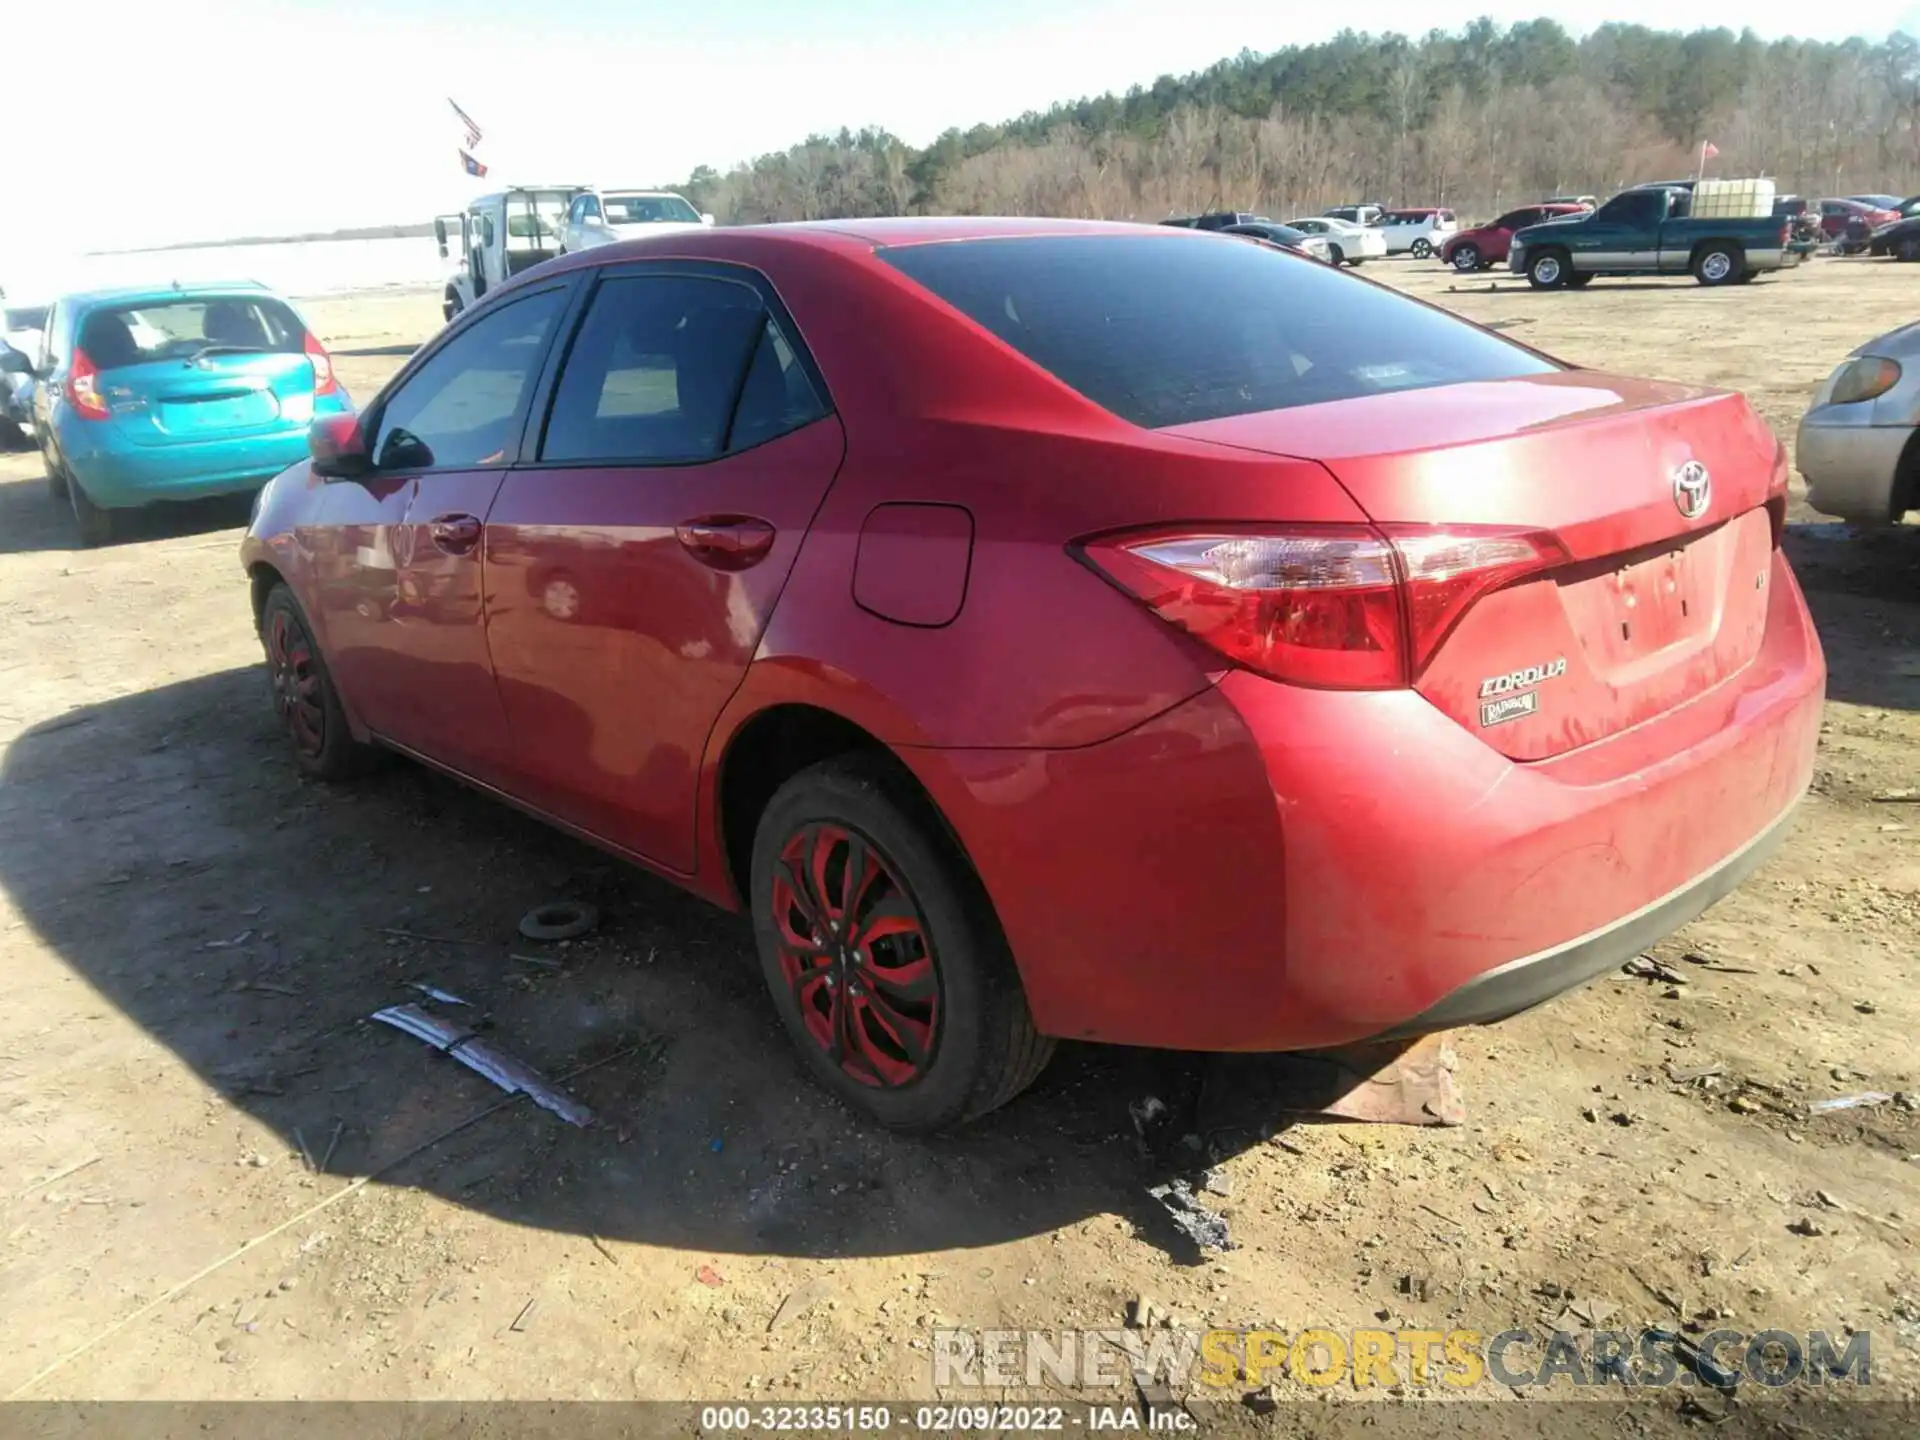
[
  {"x": 13, "y": 437},
  {"x": 966, "y": 1017},
  {"x": 1548, "y": 270},
  {"x": 1465, "y": 259},
  {"x": 303, "y": 693},
  {"x": 97, "y": 526},
  {"x": 1579, "y": 279},
  {"x": 1336, "y": 257},
  {"x": 56, "y": 479},
  {"x": 1718, "y": 265},
  {"x": 1422, "y": 250},
  {"x": 1908, "y": 250},
  {"x": 451, "y": 305}
]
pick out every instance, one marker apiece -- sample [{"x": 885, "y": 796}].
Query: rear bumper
[
  {"x": 121, "y": 477},
  {"x": 1850, "y": 468},
  {"x": 1268, "y": 867},
  {"x": 1519, "y": 985}
]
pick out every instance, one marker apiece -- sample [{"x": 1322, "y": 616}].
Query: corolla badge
[{"x": 1692, "y": 489}]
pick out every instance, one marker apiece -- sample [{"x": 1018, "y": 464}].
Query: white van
[{"x": 1419, "y": 232}]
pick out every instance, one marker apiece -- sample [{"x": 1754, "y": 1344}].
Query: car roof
[{"x": 177, "y": 290}]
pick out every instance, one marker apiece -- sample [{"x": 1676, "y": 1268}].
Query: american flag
[
  {"x": 1708, "y": 150},
  {"x": 472, "y": 166},
  {"x": 473, "y": 130}
]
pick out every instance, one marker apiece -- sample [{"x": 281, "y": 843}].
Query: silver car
[{"x": 1855, "y": 445}]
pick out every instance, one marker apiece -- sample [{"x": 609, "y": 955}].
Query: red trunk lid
[{"x": 1654, "y": 607}]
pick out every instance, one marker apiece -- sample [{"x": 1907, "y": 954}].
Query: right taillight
[
  {"x": 83, "y": 388},
  {"x": 324, "y": 382},
  {"x": 1337, "y": 607}
]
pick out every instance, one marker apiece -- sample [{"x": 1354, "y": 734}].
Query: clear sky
[{"x": 141, "y": 122}]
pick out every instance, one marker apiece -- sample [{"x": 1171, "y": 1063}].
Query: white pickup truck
[{"x": 600, "y": 217}]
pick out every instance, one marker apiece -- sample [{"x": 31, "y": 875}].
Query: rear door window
[
  {"x": 1167, "y": 330},
  {"x": 655, "y": 371}
]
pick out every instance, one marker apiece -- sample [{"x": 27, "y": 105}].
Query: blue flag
[{"x": 472, "y": 166}]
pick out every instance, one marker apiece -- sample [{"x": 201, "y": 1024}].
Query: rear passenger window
[
  {"x": 777, "y": 397},
  {"x": 675, "y": 368}
]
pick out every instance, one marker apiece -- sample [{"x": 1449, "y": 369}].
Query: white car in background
[
  {"x": 600, "y": 217},
  {"x": 1347, "y": 243},
  {"x": 1418, "y": 232}
]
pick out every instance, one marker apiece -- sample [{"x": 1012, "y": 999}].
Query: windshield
[
  {"x": 649, "y": 210},
  {"x": 1168, "y": 330},
  {"x": 141, "y": 332}
]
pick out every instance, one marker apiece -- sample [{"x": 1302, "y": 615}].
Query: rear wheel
[
  {"x": 883, "y": 955},
  {"x": 1336, "y": 256},
  {"x": 1717, "y": 265},
  {"x": 1466, "y": 258},
  {"x": 1422, "y": 249},
  {"x": 303, "y": 694},
  {"x": 97, "y": 526},
  {"x": 1548, "y": 270},
  {"x": 451, "y": 305},
  {"x": 1908, "y": 248}
]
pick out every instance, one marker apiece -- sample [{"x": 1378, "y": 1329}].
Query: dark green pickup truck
[{"x": 1650, "y": 232}]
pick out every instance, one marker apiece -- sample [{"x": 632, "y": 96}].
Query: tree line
[{"x": 1477, "y": 120}]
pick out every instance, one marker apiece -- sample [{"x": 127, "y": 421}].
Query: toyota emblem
[{"x": 1692, "y": 489}]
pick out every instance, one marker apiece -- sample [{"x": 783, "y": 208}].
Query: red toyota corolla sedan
[{"x": 1051, "y": 629}]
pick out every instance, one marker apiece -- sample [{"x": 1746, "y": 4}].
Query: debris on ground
[
  {"x": 525, "y": 1317},
  {"x": 559, "y": 920},
  {"x": 1201, "y": 1224},
  {"x": 1695, "y": 1360},
  {"x": 799, "y": 1301},
  {"x": 1807, "y": 1225},
  {"x": 1850, "y": 1102},
  {"x": 1217, "y": 1182},
  {"x": 434, "y": 992},
  {"x": 709, "y": 1276},
  {"x": 1263, "y": 1401},
  {"x": 1146, "y": 1313},
  {"x": 1898, "y": 797},
  {"x": 338, "y": 1127},
  {"x": 1645, "y": 967},
  {"x": 512, "y": 1075}
]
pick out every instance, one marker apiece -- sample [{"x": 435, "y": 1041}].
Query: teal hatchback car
[{"x": 178, "y": 393}]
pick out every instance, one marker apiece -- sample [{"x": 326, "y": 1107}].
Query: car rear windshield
[
  {"x": 140, "y": 332},
  {"x": 1171, "y": 329},
  {"x": 649, "y": 210}
]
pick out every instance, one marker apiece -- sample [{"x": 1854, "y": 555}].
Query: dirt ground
[{"x": 193, "y": 939}]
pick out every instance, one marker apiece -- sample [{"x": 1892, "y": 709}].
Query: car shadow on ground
[
  {"x": 163, "y": 845},
  {"x": 33, "y": 519},
  {"x": 1863, "y": 587}
]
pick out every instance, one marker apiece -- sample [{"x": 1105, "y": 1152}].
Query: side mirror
[
  {"x": 440, "y": 237},
  {"x": 705, "y": 219},
  {"x": 338, "y": 447}
]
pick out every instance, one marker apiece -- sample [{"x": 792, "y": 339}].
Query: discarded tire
[{"x": 560, "y": 920}]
